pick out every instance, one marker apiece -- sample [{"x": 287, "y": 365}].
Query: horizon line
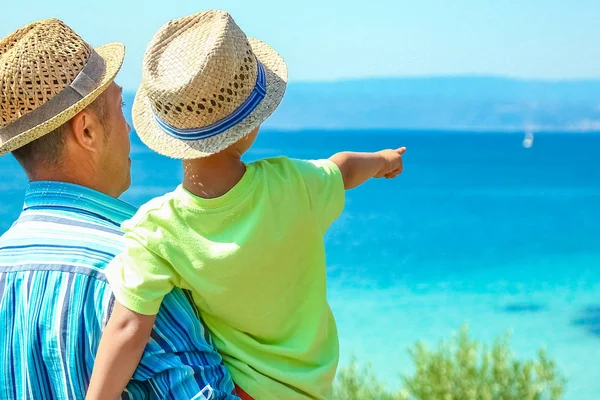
[
  {"x": 453, "y": 76},
  {"x": 549, "y": 80}
]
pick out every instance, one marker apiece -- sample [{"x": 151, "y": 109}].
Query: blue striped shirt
[{"x": 55, "y": 301}]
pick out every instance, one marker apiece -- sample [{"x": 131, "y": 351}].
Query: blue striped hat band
[{"x": 237, "y": 116}]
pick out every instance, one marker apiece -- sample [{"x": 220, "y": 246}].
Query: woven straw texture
[
  {"x": 36, "y": 63},
  {"x": 197, "y": 70}
]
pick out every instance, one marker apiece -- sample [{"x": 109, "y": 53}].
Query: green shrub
[
  {"x": 460, "y": 369},
  {"x": 355, "y": 383}
]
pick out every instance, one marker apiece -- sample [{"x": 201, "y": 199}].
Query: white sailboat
[{"x": 528, "y": 140}]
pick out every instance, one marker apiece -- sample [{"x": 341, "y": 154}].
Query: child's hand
[{"x": 392, "y": 163}]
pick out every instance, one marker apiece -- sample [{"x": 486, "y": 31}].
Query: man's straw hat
[
  {"x": 205, "y": 86},
  {"x": 47, "y": 75}
]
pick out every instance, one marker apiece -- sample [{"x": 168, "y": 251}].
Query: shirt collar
[{"x": 53, "y": 195}]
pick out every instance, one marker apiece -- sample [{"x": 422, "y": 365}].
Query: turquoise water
[{"x": 478, "y": 230}]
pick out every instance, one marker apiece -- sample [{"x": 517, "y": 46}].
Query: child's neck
[{"x": 212, "y": 176}]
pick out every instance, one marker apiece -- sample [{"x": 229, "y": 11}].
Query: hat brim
[
  {"x": 113, "y": 55},
  {"x": 155, "y": 138}
]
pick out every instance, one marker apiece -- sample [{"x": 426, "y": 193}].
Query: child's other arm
[
  {"x": 357, "y": 168},
  {"x": 121, "y": 347}
]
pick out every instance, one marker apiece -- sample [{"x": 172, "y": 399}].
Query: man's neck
[
  {"x": 213, "y": 176},
  {"x": 69, "y": 174}
]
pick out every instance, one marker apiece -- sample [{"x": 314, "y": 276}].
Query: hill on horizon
[{"x": 440, "y": 103}]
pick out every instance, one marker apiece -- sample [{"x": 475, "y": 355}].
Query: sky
[{"x": 339, "y": 39}]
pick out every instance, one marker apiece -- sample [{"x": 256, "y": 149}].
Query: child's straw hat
[{"x": 205, "y": 86}]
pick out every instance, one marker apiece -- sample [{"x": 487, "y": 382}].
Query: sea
[{"x": 478, "y": 230}]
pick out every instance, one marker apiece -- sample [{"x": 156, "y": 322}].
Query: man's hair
[{"x": 48, "y": 149}]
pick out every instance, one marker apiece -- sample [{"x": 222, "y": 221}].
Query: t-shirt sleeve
[
  {"x": 325, "y": 185},
  {"x": 139, "y": 277}
]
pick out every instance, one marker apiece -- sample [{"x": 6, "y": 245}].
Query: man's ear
[{"x": 87, "y": 130}]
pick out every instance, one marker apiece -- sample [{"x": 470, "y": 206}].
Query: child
[{"x": 245, "y": 239}]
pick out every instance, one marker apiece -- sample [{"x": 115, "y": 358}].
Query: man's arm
[
  {"x": 356, "y": 168},
  {"x": 121, "y": 348},
  {"x": 180, "y": 360}
]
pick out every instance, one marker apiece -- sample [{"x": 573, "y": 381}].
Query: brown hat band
[{"x": 83, "y": 84}]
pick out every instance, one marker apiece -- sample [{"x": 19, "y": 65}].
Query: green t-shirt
[{"x": 254, "y": 260}]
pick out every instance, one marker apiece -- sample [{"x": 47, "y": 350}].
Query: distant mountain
[{"x": 452, "y": 103}]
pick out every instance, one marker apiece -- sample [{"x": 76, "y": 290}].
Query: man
[{"x": 61, "y": 117}]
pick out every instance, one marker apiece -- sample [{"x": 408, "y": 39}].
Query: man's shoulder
[{"x": 60, "y": 241}]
